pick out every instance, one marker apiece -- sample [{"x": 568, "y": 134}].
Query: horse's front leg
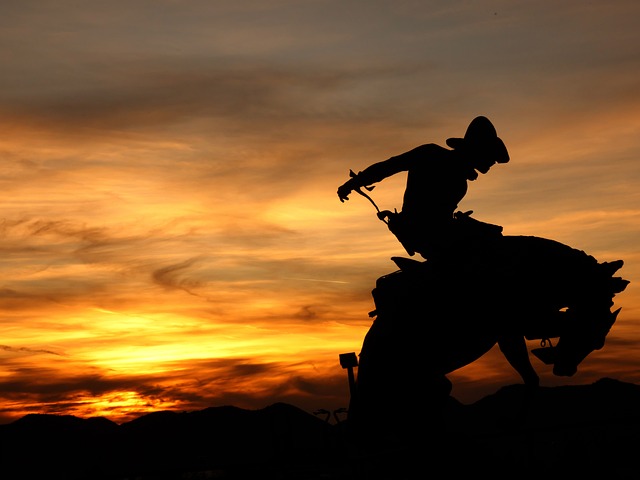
[{"x": 514, "y": 348}]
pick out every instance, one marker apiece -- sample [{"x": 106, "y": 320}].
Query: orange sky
[{"x": 171, "y": 233}]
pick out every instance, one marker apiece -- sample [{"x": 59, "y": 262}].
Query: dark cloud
[
  {"x": 27, "y": 350},
  {"x": 263, "y": 98},
  {"x": 308, "y": 312},
  {"x": 176, "y": 277}
]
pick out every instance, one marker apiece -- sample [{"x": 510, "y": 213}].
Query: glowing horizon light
[{"x": 120, "y": 405}]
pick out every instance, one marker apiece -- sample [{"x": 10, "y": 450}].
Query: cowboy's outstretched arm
[{"x": 377, "y": 172}]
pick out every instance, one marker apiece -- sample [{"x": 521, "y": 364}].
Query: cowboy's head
[{"x": 481, "y": 145}]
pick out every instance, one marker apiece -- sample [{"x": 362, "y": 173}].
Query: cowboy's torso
[{"x": 435, "y": 186}]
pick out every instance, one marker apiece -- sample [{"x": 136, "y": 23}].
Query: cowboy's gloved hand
[{"x": 345, "y": 189}]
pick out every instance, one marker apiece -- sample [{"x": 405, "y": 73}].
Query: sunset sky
[{"x": 171, "y": 234}]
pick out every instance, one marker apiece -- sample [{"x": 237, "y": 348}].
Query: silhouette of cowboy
[{"x": 436, "y": 183}]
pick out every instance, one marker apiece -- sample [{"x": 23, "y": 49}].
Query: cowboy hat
[{"x": 481, "y": 138}]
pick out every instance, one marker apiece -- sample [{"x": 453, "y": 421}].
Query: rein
[{"x": 381, "y": 216}]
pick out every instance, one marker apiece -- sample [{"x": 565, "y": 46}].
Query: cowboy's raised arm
[{"x": 381, "y": 170}]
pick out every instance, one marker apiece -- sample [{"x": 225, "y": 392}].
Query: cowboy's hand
[{"x": 345, "y": 189}]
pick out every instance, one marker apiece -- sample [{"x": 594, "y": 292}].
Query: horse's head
[
  {"x": 583, "y": 334},
  {"x": 590, "y": 320}
]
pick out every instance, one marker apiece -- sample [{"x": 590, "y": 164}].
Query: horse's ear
[
  {"x": 618, "y": 284},
  {"x": 613, "y": 316},
  {"x": 609, "y": 324},
  {"x": 611, "y": 267}
]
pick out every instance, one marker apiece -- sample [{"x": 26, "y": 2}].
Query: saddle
[{"x": 458, "y": 233}]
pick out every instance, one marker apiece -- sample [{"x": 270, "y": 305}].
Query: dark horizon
[{"x": 497, "y": 434}]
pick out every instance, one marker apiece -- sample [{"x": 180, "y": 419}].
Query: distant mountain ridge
[{"x": 561, "y": 431}]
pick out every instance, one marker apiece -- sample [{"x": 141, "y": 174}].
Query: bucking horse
[{"x": 430, "y": 320}]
